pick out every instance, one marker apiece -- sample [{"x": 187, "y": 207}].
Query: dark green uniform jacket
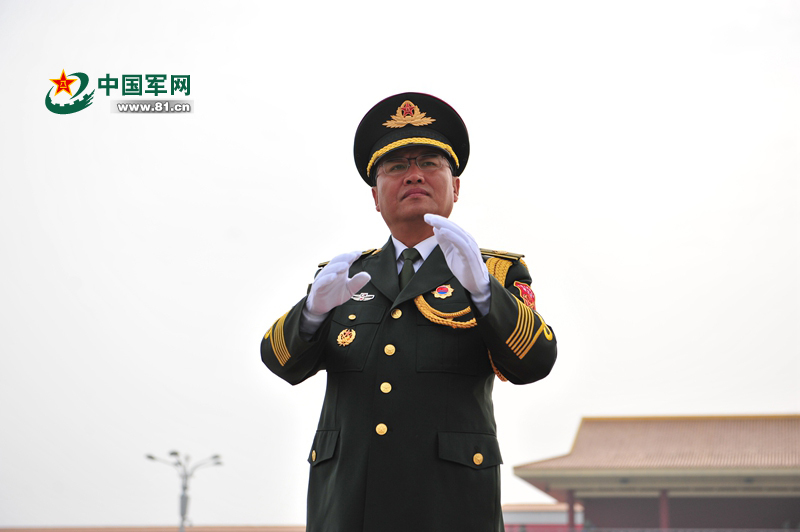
[{"x": 406, "y": 440}]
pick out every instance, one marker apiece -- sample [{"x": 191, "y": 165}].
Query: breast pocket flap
[
  {"x": 355, "y": 314},
  {"x": 324, "y": 446},
  {"x": 477, "y": 451}
]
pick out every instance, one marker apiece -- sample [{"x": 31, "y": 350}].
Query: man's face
[{"x": 408, "y": 197}]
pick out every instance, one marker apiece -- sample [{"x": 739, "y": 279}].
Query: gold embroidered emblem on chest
[{"x": 346, "y": 337}]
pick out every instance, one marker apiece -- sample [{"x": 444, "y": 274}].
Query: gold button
[
  {"x": 389, "y": 349},
  {"x": 313, "y": 456},
  {"x": 478, "y": 458},
  {"x": 386, "y": 387},
  {"x": 396, "y": 313},
  {"x": 352, "y": 317},
  {"x": 381, "y": 429}
]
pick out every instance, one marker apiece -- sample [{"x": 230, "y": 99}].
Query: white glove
[
  {"x": 464, "y": 259},
  {"x": 332, "y": 287}
]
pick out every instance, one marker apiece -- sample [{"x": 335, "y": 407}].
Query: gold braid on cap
[{"x": 405, "y": 142}]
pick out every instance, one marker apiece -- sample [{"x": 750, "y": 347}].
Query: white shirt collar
[{"x": 425, "y": 247}]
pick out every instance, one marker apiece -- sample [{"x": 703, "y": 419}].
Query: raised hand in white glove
[
  {"x": 464, "y": 259},
  {"x": 332, "y": 287}
]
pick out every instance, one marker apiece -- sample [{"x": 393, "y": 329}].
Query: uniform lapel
[
  {"x": 383, "y": 270},
  {"x": 434, "y": 272}
]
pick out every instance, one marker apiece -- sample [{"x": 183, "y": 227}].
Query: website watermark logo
[
  {"x": 129, "y": 86},
  {"x": 151, "y": 106},
  {"x": 64, "y": 84}
]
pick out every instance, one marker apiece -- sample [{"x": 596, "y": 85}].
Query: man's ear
[
  {"x": 375, "y": 197},
  {"x": 456, "y": 188}
]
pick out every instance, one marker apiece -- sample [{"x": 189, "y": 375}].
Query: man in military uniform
[{"x": 411, "y": 336}]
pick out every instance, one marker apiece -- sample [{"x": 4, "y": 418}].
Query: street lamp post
[{"x": 185, "y": 472}]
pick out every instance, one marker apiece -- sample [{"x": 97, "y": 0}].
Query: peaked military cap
[{"x": 410, "y": 119}]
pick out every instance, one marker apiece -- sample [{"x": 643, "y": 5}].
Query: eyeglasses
[{"x": 398, "y": 166}]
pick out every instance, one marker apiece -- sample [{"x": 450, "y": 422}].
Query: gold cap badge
[
  {"x": 346, "y": 337},
  {"x": 432, "y": 122},
  {"x": 408, "y": 113}
]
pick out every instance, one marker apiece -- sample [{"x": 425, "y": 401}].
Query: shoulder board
[
  {"x": 501, "y": 254},
  {"x": 372, "y": 251}
]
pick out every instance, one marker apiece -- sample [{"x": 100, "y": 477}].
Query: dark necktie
[{"x": 409, "y": 255}]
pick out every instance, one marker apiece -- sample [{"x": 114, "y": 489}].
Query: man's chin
[
  {"x": 418, "y": 209},
  {"x": 418, "y": 213}
]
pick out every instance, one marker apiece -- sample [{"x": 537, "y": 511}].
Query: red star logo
[
  {"x": 407, "y": 109},
  {"x": 63, "y": 83}
]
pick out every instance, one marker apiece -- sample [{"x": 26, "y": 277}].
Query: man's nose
[{"x": 414, "y": 174}]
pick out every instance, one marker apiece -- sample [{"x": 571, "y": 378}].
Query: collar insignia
[
  {"x": 408, "y": 113},
  {"x": 363, "y": 296},
  {"x": 443, "y": 292}
]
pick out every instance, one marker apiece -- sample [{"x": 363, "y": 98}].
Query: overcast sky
[{"x": 644, "y": 156}]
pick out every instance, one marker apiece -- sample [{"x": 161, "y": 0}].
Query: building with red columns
[{"x": 678, "y": 472}]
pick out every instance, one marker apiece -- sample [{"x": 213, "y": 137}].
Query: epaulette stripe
[
  {"x": 277, "y": 345},
  {"x": 281, "y": 341},
  {"x": 522, "y": 334},
  {"x": 278, "y": 342},
  {"x": 516, "y": 328},
  {"x": 283, "y": 338},
  {"x": 275, "y": 348},
  {"x": 501, "y": 254},
  {"x": 498, "y": 268},
  {"x": 524, "y": 351},
  {"x": 372, "y": 251},
  {"x": 522, "y": 340}
]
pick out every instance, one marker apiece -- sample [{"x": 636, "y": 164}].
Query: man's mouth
[{"x": 415, "y": 192}]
